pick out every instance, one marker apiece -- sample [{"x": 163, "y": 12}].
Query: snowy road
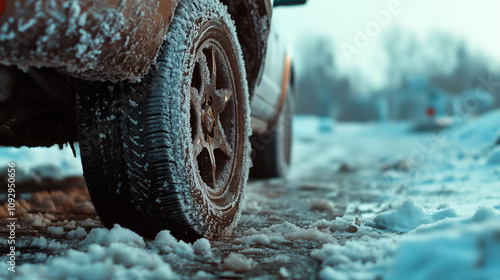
[{"x": 372, "y": 201}]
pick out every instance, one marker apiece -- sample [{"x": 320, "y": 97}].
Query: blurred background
[{"x": 434, "y": 63}]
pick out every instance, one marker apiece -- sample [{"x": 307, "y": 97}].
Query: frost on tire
[{"x": 172, "y": 152}]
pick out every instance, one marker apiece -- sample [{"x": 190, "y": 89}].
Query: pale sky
[{"x": 476, "y": 21}]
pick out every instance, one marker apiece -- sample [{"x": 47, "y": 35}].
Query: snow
[
  {"x": 409, "y": 216},
  {"x": 78, "y": 233},
  {"x": 118, "y": 261},
  {"x": 54, "y": 245},
  {"x": 443, "y": 224},
  {"x": 238, "y": 263},
  {"x": 481, "y": 132},
  {"x": 321, "y": 204},
  {"x": 346, "y": 223},
  {"x": 37, "y": 220},
  {"x": 284, "y": 273},
  {"x": 41, "y": 162},
  {"x": 40, "y": 242},
  {"x": 318, "y": 231},
  {"x": 468, "y": 250},
  {"x": 56, "y": 231},
  {"x": 494, "y": 158},
  {"x": 116, "y": 253},
  {"x": 166, "y": 243},
  {"x": 204, "y": 275},
  {"x": 117, "y": 234},
  {"x": 202, "y": 247},
  {"x": 251, "y": 206},
  {"x": 449, "y": 248}
]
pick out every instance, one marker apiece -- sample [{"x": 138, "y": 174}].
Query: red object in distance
[
  {"x": 431, "y": 112},
  {"x": 2, "y": 6}
]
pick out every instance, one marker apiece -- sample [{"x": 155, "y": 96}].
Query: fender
[{"x": 107, "y": 40}]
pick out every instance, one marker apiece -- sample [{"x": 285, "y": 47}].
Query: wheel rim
[{"x": 213, "y": 116}]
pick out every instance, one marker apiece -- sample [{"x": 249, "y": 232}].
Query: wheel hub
[{"x": 209, "y": 117}]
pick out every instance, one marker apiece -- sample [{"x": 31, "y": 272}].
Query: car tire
[
  {"x": 271, "y": 151},
  {"x": 172, "y": 152}
]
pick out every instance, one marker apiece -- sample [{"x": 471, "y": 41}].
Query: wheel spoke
[
  {"x": 223, "y": 97},
  {"x": 208, "y": 145},
  {"x": 220, "y": 141},
  {"x": 196, "y": 130},
  {"x": 198, "y": 145},
  {"x": 205, "y": 71},
  {"x": 213, "y": 176},
  {"x": 214, "y": 68}
]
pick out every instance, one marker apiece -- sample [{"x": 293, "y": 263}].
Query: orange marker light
[{"x": 2, "y": 6}]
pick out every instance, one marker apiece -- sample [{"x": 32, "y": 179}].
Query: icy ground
[{"x": 362, "y": 201}]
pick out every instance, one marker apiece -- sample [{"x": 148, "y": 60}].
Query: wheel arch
[{"x": 253, "y": 21}]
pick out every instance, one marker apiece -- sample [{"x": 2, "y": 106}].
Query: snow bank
[
  {"x": 494, "y": 157},
  {"x": 409, "y": 216},
  {"x": 482, "y": 131},
  {"x": 468, "y": 250},
  {"x": 117, "y": 253},
  {"x": 118, "y": 261},
  {"x": 453, "y": 248},
  {"x": 41, "y": 162}
]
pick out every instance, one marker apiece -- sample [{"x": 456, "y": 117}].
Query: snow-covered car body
[{"x": 110, "y": 40}]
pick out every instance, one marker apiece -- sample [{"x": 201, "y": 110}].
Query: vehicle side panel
[{"x": 270, "y": 92}]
